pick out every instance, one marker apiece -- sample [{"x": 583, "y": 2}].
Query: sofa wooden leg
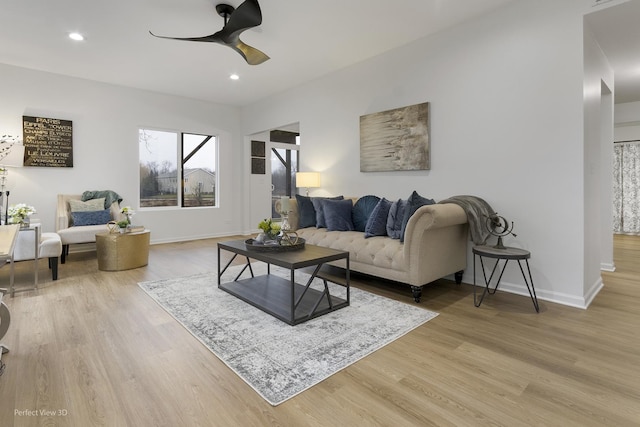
[
  {"x": 417, "y": 293},
  {"x": 458, "y": 276},
  {"x": 65, "y": 252}
]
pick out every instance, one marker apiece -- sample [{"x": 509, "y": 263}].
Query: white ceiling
[{"x": 305, "y": 39}]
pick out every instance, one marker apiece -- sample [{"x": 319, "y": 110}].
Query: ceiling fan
[{"x": 245, "y": 16}]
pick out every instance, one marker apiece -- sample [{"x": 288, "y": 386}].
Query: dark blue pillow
[
  {"x": 377, "y": 223},
  {"x": 337, "y": 214},
  {"x": 317, "y": 204},
  {"x": 306, "y": 212},
  {"x": 362, "y": 211},
  {"x": 91, "y": 217},
  {"x": 414, "y": 202},
  {"x": 394, "y": 220}
]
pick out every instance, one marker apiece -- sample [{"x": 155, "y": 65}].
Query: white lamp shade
[{"x": 307, "y": 179}]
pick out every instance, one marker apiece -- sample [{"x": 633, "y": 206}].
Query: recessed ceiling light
[
  {"x": 234, "y": 77},
  {"x": 76, "y": 36}
]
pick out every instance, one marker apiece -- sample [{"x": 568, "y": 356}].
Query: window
[{"x": 177, "y": 169}]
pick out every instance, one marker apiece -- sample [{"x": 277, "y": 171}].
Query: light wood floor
[{"x": 94, "y": 349}]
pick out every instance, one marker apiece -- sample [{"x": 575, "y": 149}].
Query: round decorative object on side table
[{"x": 112, "y": 226}]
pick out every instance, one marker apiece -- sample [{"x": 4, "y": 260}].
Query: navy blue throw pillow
[
  {"x": 337, "y": 214},
  {"x": 377, "y": 223},
  {"x": 362, "y": 211},
  {"x": 414, "y": 202},
  {"x": 91, "y": 217},
  {"x": 306, "y": 212},
  {"x": 317, "y": 204},
  {"x": 394, "y": 220}
]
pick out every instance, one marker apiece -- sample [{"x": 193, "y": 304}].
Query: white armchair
[
  {"x": 74, "y": 234},
  {"x": 50, "y": 247}
]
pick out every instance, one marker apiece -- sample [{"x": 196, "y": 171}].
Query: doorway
[
  {"x": 284, "y": 165},
  {"x": 284, "y": 144}
]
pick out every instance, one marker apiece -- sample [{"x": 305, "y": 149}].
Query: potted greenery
[
  {"x": 269, "y": 229},
  {"x": 123, "y": 225}
]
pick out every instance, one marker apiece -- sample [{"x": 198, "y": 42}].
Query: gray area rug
[{"x": 277, "y": 360}]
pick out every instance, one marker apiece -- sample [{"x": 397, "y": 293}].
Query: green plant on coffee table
[
  {"x": 270, "y": 228},
  {"x": 123, "y": 224}
]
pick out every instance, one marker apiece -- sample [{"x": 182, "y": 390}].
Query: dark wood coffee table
[{"x": 284, "y": 299}]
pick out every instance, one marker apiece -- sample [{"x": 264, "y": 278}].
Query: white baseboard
[
  {"x": 545, "y": 295},
  {"x": 610, "y": 267},
  {"x": 190, "y": 238},
  {"x": 593, "y": 291},
  {"x": 81, "y": 247},
  {"x": 542, "y": 294}
]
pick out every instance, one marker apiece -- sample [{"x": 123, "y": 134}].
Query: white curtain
[{"x": 626, "y": 188}]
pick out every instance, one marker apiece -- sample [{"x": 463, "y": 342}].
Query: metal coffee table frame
[{"x": 291, "y": 302}]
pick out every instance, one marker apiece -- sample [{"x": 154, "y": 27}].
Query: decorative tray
[{"x": 252, "y": 245}]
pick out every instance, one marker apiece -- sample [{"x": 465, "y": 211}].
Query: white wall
[
  {"x": 507, "y": 114},
  {"x": 598, "y": 158},
  {"x": 106, "y": 119}
]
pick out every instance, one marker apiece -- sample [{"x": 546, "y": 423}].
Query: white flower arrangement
[
  {"x": 20, "y": 211},
  {"x": 128, "y": 213},
  {"x": 127, "y": 210}
]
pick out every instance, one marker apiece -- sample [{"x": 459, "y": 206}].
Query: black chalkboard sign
[{"x": 47, "y": 142}]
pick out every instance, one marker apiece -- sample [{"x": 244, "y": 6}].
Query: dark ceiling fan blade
[
  {"x": 210, "y": 38},
  {"x": 247, "y": 15}
]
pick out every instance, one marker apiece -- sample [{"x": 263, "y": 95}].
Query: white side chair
[
  {"x": 50, "y": 247},
  {"x": 70, "y": 234}
]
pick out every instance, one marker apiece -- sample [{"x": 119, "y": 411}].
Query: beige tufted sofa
[{"x": 435, "y": 246}]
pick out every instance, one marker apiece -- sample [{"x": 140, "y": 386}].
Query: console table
[{"x": 505, "y": 254}]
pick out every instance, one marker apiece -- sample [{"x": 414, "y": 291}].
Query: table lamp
[{"x": 307, "y": 180}]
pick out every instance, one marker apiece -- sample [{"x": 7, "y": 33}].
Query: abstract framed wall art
[{"x": 395, "y": 140}]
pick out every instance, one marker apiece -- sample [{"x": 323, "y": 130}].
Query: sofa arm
[
  {"x": 435, "y": 242},
  {"x": 436, "y": 216}
]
